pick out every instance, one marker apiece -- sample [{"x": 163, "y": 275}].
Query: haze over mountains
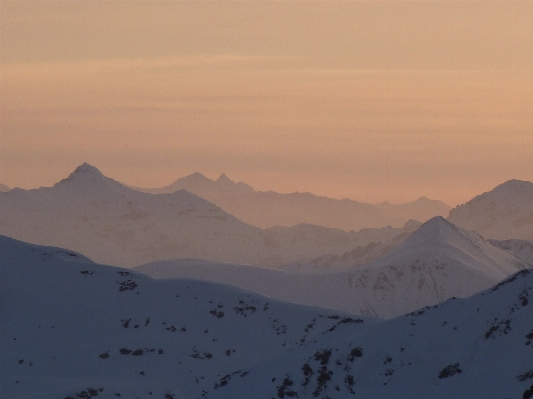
[
  {"x": 214, "y": 325},
  {"x": 268, "y": 208},
  {"x": 113, "y": 224},
  {"x": 437, "y": 262},
  {"x": 75, "y": 329}
]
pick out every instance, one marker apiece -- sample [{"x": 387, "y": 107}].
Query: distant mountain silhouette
[
  {"x": 268, "y": 208},
  {"x": 113, "y": 224}
]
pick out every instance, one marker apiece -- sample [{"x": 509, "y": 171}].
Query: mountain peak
[
  {"x": 224, "y": 179},
  {"x": 83, "y": 174},
  {"x": 197, "y": 175},
  {"x": 87, "y": 168},
  {"x": 436, "y": 230},
  {"x": 437, "y": 221},
  {"x": 195, "y": 178}
]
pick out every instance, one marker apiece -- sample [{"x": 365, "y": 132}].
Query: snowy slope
[
  {"x": 503, "y": 213},
  {"x": 70, "y": 326},
  {"x": 521, "y": 249},
  {"x": 311, "y": 239},
  {"x": 370, "y": 246},
  {"x": 97, "y": 216},
  {"x": 437, "y": 262},
  {"x": 268, "y": 208},
  {"x": 480, "y": 347}
]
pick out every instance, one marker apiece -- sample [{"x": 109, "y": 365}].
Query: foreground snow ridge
[{"x": 75, "y": 329}]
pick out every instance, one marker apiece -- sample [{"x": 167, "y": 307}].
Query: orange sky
[{"x": 368, "y": 100}]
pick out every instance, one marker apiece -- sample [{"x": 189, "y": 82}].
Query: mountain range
[
  {"x": 75, "y": 329},
  {"x": 268, "y": 208},
  {"x": 95, "y": 215},
  {"x": 113, "y": 224},
  {"x": 437, "y": 262}
]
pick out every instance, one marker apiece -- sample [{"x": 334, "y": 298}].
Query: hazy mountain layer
[
  {"x": 75, "y": 329},
  {"x": 113, "y": 224},
  {"x": 4, "y": 188},
  {"x": 503, "y": 213},
  {"x": 437, "y": 262},
  {"x": 366, "y": 252},
  {"x": 267, "y": 209}
]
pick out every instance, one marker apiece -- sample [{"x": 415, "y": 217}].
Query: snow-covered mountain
[
  {"x": 113, "y": 224},
  {"x": 503, "y": 213},
  {"x": 4, "y": 188},
  {"x": 71, "y": 326},
  {"x": 369, "y": 248},
  {"x": 97, "y": 216},
  {"x": 268, "y": 209},
  {"x": 75, "y": 329},
  {"x": 480, "y": 347},
  {"x": 520, "y": 249},
  {"x": 437, "y": 262}
]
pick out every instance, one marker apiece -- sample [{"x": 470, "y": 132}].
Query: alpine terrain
[
  {"x": 92, "y": 214},
  {"x": 435, "y": 263},
  {"x": 268, "y": 208},
  {"x": 506, "y": 212},
  {"x": 75, "y": 329}
]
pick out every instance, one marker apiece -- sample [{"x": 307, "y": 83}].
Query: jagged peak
[{"x": 224, "y": 179}]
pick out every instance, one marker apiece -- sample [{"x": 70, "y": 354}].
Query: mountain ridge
[
  {"x": 241, "y": 200},
  {"x": 113, "y": 224},
  {"x": 437, "y": 262},
  {"x": 76, "y": 329},
  {"x": 505, "y": 212}
]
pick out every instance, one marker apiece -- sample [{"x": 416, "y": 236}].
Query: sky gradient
[{"x": 368, "y": 100}]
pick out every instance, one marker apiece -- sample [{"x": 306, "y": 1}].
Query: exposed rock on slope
[
  {"x": 480, "y": 347},
  {"x": 75, "y": 329}
]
